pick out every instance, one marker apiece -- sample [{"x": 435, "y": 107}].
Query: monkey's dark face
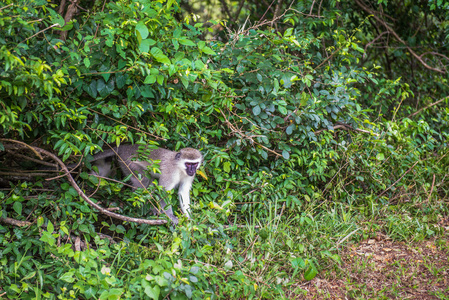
[{"x": 191, "y": 168}]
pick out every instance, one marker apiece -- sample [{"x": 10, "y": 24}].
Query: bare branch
[
  {"x": 418, "y": 57},
  {"x": 428, "y": 106},
  {"x": 33, "y": 159},
  {"x": 82, "y": 195},
  {"x": 15, "y": 222},
  {"x": 22, "y": 144},
  {"x": 346, "y": 127}
]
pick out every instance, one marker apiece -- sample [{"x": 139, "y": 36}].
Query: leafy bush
[{"x": 266, "y": 107}]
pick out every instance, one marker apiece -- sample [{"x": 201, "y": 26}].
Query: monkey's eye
[{"x": 191, "y": 165}]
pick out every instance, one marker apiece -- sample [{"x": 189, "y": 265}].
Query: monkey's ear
[{"x": 178, "y": 155}]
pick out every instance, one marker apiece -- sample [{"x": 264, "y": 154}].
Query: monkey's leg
[{"x": 169, "y": 212}]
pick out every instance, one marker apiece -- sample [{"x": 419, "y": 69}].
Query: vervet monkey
[{"x": 177, "y": 170}]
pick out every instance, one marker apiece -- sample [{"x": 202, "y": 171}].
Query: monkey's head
[{"x": 190, "y": 160}]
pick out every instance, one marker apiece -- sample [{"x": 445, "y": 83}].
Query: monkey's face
[{"x": 191, "y": 168}]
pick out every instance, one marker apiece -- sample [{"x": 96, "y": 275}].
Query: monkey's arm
[{"x": 184, "y": 196}]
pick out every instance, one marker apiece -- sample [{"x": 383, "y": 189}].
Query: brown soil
[{"x": 384, "y": 269}]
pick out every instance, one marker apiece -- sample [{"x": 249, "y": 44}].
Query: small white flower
[{"x": 106, "y": 271}]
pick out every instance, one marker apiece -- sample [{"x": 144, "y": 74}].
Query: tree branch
[
  {"x": 428, "y": 106},
  {"x": 346, "y": 127},
  {"x": 15, "y": 222},
  {"x": 80, "y": 192},
  {"x": 418, "y": 57}
]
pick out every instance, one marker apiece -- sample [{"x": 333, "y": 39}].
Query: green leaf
[
  {"x": 67, "y": 277},
  {"x": 159, "y": 55},
  {"x": 275, "y": 87},
  {"x": 298, "y": 263},
  {"x": 172, "y": 70},
  {"x": 120, "y": 80},
  {"x": 283, "y": 110},
  {"x": 146, "y": 44},
  {"x": 48, "y": 238},
  {"x": 175, "y": 44},
  {"x": 60, "y": 20},
  {"x": 100, "y": 85},
  {"x": 304, "y": 99},
  {"x": 73, "y": 192},
  {"x": 288, "y": 32},
  {"x": 227, "y": 167},
  {"x": 15, "y": 288},
  {"x": 50, "y": 227},
  {"x": 256, "y": 110},
  {"x": 112, "y": 294},
  {"x": 186, "y": 42},
  {"x": 147, "y": 92},
  {"x": 285, "y": 154},
  {"x": 170, "y": 3},
  {"x": 380, "y": 156},
  {"x": 184, "y": 81},
  {"x": 150, "y": 79},
  {"x": 199, "y": 65},
  {"x": 17, "y": 206},
  {"x": 142, "y": 29},
  {"x": 91, "y": 89},
  {"x": 208, "y": 50},
  {"x": 86, "y": 62},
  {"x": 311, "y": 271},
  {"x": 153, "y": 292}
]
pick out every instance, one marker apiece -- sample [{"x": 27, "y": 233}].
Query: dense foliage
[{"x": 311, "y": 140}]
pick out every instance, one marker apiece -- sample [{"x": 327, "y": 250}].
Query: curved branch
[
  {"x": 418, "y": 57},
  {"x": 80, "y": 192},
  {"x": 24, "y": 145}
]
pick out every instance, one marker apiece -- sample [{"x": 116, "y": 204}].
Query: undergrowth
[{"x": 307, "y": 153}]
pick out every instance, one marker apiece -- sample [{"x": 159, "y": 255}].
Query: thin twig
[
  {"x": 241, "y": 226},
  {"x": 347, "y": 127},
  {"x": 50, "y": 27},
  {"x": 120, "y": 122},
  {"x": 250, "y": 138},
  {"x": 398, "y": 179},
  {"x": 6, "y": 6},
  {"x": 428, "y": 106},
  {"x": 346, "y": 237}
]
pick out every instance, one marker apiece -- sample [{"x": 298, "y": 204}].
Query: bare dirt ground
[{"x": 384, "y": 269}]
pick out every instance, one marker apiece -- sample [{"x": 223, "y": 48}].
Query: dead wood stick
[{"x": 15, "y": 222}]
